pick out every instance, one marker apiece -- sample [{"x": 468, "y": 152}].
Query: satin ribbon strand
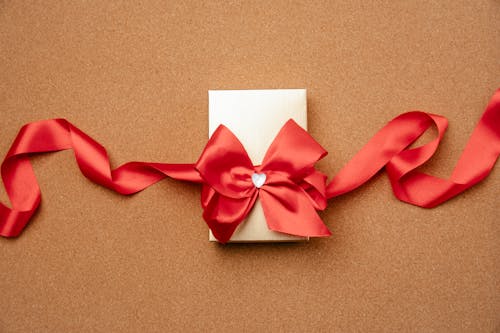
[
  {"x": 59, "y": 134},
  {"x": 389, "y": 148}
]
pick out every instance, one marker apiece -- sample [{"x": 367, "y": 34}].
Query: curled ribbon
[
  {"x": 287, "y": 184},
  {"x": 59, "y": 134}
]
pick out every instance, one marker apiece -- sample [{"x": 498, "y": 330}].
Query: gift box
[{"x": 256, "y": 117}]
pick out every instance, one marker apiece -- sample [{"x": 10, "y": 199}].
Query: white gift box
[{"x": 255, "y": 117}]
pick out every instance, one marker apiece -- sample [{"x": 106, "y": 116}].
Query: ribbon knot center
[{"x": 258, "y": 179}]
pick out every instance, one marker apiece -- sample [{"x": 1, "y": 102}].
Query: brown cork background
[{"x": 135, "y": 77}]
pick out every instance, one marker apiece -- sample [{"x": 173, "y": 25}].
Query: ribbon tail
[
  {"x": 389, "y": 148},
  {"x": 59, "y": 134}
]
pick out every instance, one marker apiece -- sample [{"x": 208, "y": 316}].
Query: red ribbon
[
  {"x": 293, "y": 190},
  {"x": 389, "y": 148},
  {"x": 59, "y": 134}
]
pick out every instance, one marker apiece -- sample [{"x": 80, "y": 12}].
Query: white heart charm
[{"x": 258, "y": 179}]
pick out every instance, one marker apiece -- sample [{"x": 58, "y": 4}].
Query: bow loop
[
  {"x": 224, "y": 165},
  {"x": 293, "y": 151}
]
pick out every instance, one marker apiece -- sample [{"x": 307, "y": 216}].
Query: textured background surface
[{"x": 135, "y": 77}]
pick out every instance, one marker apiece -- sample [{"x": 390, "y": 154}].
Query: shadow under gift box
[{"x": 256, "y": 117}]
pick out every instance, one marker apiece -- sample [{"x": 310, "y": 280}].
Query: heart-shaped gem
[{"x": 258, "y": 179}]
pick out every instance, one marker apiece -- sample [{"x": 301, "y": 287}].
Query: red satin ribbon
[
  {"x": 59, "y": 134},
  {"x": 293, "y": 189},
  {"x": 388, "y": 148}
]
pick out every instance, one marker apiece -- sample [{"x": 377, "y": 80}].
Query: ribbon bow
[{"x": 286, "y": 183}]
